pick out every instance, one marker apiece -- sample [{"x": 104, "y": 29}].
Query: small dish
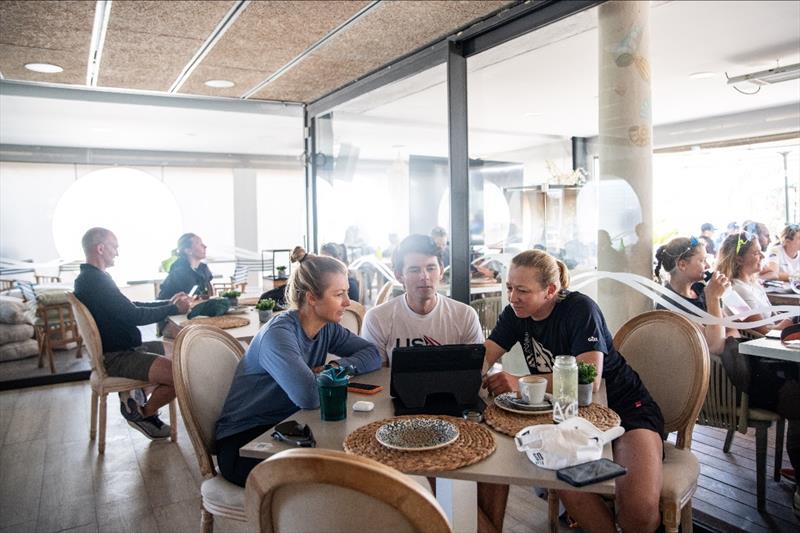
[
  {"x": 417, "y": 434},
  {"x": 508, "y": 401}
]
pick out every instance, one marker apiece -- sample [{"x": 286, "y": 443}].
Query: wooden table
[
  {"x": 456, "y": 490},
  {"x": 784, "y": 298},
  {"x": 244, "y": 333},
  {"x": 771, "y": 348}
]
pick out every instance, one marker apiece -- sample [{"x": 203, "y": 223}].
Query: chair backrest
[
  {"x": 385, "y": 294},
  {"x": 203, "y": 364},
  {"x": 240, "y": 274},
  {"x": 719, "y": 409},
  {"x": 488, "y": 310},
  {"x": 671, "y": 357},
  {"x": 341, "y": 486},
  {"x": 353, "y": 317},
  {"x": 90, "y": 334}
]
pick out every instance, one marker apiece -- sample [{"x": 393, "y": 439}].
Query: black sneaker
[
  {"x": 129, "y": 408},
  {"x": 151, "y": 427}
]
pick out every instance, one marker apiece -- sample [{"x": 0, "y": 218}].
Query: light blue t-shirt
[{"x": 274, "y": 379}]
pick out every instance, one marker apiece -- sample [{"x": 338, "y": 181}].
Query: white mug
[{"x": 532, "y": 389}]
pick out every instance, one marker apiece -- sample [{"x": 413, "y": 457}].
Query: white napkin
[{"x": 571, "y": 442}]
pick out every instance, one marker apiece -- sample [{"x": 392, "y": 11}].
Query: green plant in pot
[
  {"x": 265, "y": 308},
  {"x": 281, "y": 272},
  {"x": 586, "y": 374},
  {"x": 232, "y": 296}
]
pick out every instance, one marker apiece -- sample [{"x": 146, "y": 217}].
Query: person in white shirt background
[{"x": 783, "y": 259}]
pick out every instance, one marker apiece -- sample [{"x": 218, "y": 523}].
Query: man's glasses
[
  {"x": 744, "y": 238},
  {"x": 295, "y": 433}
]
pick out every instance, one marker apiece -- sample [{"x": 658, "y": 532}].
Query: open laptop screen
[{"x": 437, "y": 379}]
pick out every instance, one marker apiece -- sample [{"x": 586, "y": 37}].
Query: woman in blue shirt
[
  {"x": 548, "y": 320},
  {"x": 276, "y": 377}
]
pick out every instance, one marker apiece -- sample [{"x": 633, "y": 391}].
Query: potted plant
[
  {"x": 281, "y": 272},
  {"x": 232, "y": 296},
  {"x": 586, "y": 374},
  {"x": 265, "y": 308}
]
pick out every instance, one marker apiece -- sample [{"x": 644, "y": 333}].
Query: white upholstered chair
[
  {"x": 354, "y": 317},
  {"x": 671, "y": 356},
  {"x": 102, "y": 384},
  {"x": 309, "y": 489},
  {"x": 203, "y": 366}
]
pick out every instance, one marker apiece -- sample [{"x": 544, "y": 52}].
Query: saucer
[{"x": 508, "y": 401}]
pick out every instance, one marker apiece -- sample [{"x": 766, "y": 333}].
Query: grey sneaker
[
  {"x": 129, "y": 408},
  {"x": 139, "y": 397},
  {"x": 151, "y": 427}
]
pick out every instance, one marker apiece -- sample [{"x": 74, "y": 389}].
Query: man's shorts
[{"x": 135, "y": 363}]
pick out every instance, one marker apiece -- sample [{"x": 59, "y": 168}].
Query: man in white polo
[{"x": 423, "y": 317}]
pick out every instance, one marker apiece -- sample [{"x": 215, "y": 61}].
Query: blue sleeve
[
  {"x": 353, "y": 350},
  {"x": 503, "y": 333},
  {"x": 280, "y": 355},
  {"x": 587, "y": 328}
]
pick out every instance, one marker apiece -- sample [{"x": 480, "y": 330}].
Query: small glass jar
[
  {"x": 472, "y": 415},
  {"x": 565, "y": 388}
]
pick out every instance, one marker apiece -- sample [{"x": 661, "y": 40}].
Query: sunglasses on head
[
  {"x": 293, "y": 432},
  {"x": 744, "y": 238},
  {"x": 693, "y": 242}
]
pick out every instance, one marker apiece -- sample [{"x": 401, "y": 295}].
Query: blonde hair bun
[{"x": 298, "y": 254}]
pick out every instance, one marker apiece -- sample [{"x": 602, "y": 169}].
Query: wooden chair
[
  {"x": 720, "y": 410},
  {"x": 203, "y": 366},
  {"x": 488, "y": 310},
  {"x": 385, "y": 294},
  {"x": 237, "y": 282},
  {"x": 102, "y": 384},
  {"x": 671, "y": 357},
  {"x": 354, "y": 317},
  {"x": 341, "y": 486},
  {"x": 42, "y": 279}
]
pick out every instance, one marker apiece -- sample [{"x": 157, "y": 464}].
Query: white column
[{"x": 625, "y": 137}]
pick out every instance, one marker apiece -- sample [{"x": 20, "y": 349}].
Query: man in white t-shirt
[{"x": 421, "y": 316}]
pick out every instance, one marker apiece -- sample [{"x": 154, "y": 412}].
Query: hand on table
[
  {"x": 182, "y": 302},
  {"x": 501, "y": 382}
]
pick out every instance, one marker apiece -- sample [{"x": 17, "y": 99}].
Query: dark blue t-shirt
[
  {"x": 700, "y": 301},
  {"x": 575, "y": 326}
]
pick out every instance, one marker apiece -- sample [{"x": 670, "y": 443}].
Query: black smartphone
[
  {"x": 364, "y": 388},
  {"x": 591, "y": 472}
]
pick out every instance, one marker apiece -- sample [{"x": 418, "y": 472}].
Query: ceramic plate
[
  {"x": 508, "y": 401},
  {"x": 417, "y": 434},
  {"x": 238, "y": 310}
]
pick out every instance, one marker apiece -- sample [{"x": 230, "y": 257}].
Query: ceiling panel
[
  {"x": 45, "y": 32},
  {"x": 391, "y": 30},
  {"x": 265, "y": 37},
  {"x": 149, "y": 43}
]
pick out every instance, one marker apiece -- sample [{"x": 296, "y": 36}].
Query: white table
[
  {"x": 244, "y": 333},
  {"x": 456, "y": 490},
  {"x": 771, "y": 348}
]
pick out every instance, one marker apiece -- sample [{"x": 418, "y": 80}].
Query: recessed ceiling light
[
  {"x": 702, "y": 75},
  {"x": 47, "y": 68},
  {"x": 220, "y": 84}
]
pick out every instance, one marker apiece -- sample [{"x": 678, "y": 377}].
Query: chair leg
[
  {"x": 686, "y": 518},
  {"x": 761, "y": 466},
  {"x": 93, "y": 428},
  {"x": 552, "y": 510},
  {"x": 671, "y": 516},
  {"x": 728, "y": 440},
  {"x": 50, "y": 357},
  {"x": 78, "y": 353},
  {"x": 206, "y": 520},
  {"x": 779, "y": 429},
  {"x": 173, "y": 421},
  {"x": 101, "y": 442}
]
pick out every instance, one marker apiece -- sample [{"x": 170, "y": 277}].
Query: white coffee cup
[{"x": 532, "y": 389}]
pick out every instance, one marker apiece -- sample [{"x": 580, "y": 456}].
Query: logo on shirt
[
  {"x": 592, "y": 339},
  {"x": 420, "y": 341},
  {"x": 536, "y": 355}
]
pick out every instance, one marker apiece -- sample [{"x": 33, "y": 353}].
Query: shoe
[
  {"x": 151, "y": 427},
  {"x": 129, "y": 408},
  {"x": 139, "y": 397},
  {"x": 788, "y": 473}
]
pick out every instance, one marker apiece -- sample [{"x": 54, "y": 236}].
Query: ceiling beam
[
  {"x": 212, "y": 40},
  {"x": 102, "y": 13},
  {"x": 285, "y": 68}
]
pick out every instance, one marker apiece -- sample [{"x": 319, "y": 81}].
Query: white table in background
[
  {"x": 244, "y": 333},
  {"x": 770, "y": 347}
]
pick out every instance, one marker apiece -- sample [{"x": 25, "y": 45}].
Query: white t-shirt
[
  {"x": 394, "y": 324},
  {"x": 777, "y": 255},
  {"x": 752, "y": 293}
]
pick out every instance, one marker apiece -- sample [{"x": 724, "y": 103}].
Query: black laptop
[{"x": 441, "y": 380}]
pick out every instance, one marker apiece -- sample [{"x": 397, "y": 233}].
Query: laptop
[{"x": 440, "y": 380}]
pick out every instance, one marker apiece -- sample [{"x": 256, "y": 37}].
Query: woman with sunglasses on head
[
  {"x": 276, "y": 376},
  {"x": 783, "y": 259},
  {"x": 685, "y": 261},
  {"x": 188, "y": 270},
  {"x": 548, "y": 320},
  {"x": 739, "y": 259}
]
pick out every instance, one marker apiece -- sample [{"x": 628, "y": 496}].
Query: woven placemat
[
  {"x": 511, "y": 423},
  {"x": 474, "y": 443},
  {"x": 222, "y": 322}
]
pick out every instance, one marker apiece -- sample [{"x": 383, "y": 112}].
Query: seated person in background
[
  {"x": 124, "y": 353},
  {"x": 421, "y": 316},
  {"x": 739, "y": 259},
  {"x": 685, "y": 260},
  {"x": 338, "y": 251},
  {"x": 783, "y": 259},
  {"x": 188, "y": 270},
  {"x": 276, "y": 376},
  {"x": 549, "y": 320}
]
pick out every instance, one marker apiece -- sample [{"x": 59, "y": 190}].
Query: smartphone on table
[
  {"x": 193, "y": 291},
  {"x": 591, "y": 472},
  {"x": 364, "y": 388}
]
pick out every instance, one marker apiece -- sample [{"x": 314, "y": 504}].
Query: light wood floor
[{"x": 52, "y": 479}]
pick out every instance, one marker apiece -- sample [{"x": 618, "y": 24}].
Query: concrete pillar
[{"x": 625, "y": 151}]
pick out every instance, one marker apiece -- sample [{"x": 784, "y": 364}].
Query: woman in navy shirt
[{"x": 547, "y": 320}]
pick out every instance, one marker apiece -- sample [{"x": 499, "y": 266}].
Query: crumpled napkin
[{"x": 572, "y": 442}]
